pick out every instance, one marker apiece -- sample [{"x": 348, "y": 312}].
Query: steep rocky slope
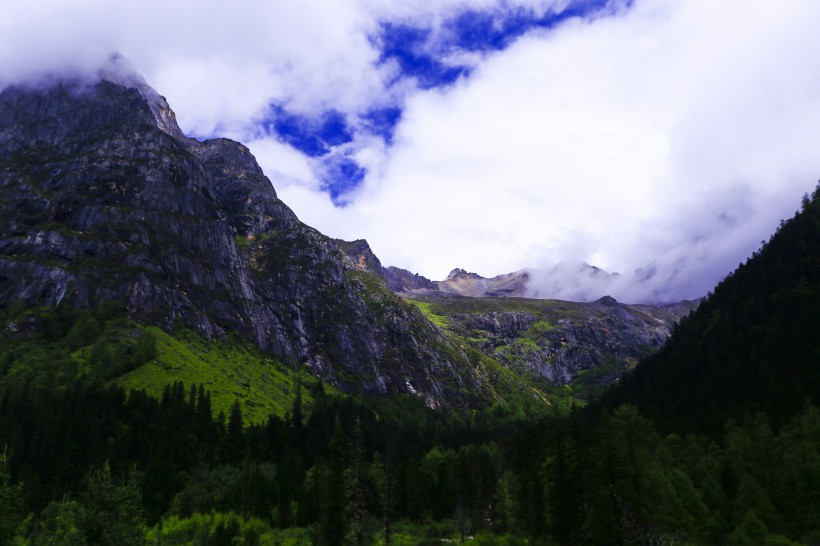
[
  {"x": 586, "y": 346},
  {"x": 102, "y": 198}
]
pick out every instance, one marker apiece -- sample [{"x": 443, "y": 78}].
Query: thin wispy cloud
[{"x": 665, "y": 136}]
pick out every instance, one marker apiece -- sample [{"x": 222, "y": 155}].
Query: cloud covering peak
[{"x": 665, "y": 136}]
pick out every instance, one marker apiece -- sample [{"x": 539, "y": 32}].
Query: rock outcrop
[
  {"x": 588, "y": 345},
  {"x": 397, "y": 279},
  {"x": 473, "y": 285}
]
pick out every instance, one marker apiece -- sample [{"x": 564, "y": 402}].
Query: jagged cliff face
[
  {"x": 103, "y": 198},
  {"x": 397, "y": 279},
  {"x": 585, "y": 345},
  {"x": 588, "y": 345}
]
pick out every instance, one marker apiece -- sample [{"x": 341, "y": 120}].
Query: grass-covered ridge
[
  {"x": 427, "y": 308},
  {"x": 230, "y": 370},
  {"x": 46, "y": 349},
  {"x": 502, "y": 379}
]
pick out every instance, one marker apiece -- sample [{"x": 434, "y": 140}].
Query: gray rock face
[
  {"x": 401, "y": 280},
  {"x": 397, "y": 279},
  {"x": 102, "y": 198},
  {"x": 587, "y": 344},
  {"x": 361, "y": 256},
  {"x": 473, "y": 285}
]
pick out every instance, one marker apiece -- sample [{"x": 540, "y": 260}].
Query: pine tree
[
  {"x": 332, "y": 525},
  {"x": 112, "y": 512},
  {"x": 236, "y": 433},
  {"x": 10, "y": 496},
  {"x": 356, "y": 488}
]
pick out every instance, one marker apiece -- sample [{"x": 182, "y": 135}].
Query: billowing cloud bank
[{"x": 669, "y": 136}]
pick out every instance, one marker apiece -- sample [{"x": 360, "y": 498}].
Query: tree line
[{"x": 98, "y": 465}]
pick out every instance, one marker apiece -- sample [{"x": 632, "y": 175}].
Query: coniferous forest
[{"x": 713, "y": 440}]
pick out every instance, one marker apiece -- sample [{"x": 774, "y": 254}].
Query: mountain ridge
[{"x": 459, "y": 281}]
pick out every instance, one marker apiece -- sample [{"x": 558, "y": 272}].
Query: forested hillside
[
  {"x": 716, "y": 438},
  {"x": 751, "y": 346}
]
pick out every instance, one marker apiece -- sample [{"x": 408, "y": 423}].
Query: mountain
[
  {"x": 470, "y": 284},
  {"x": 713, "y": 439},
  {"x": 583, "y": 346},
  {"x": 572, "y": 280},
  {"x": 567, "y": 280},
  {"x": 102, "y": 198}
]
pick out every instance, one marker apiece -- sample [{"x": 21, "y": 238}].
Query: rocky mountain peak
[
  {"x": 118, "y": 70},
  {"x": 607, "y": 301},
  {"x": 459, "y": 273},
  {"x": 361, "y": 256}
]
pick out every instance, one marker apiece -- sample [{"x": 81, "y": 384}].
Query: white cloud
[
  {"x": 220, "y": 64},
  {"x": 284, "y": 165},
  {"x": 677, "y": 133}
]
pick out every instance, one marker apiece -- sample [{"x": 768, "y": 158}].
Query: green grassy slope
[
  {"x": 51, "y": 350},
  {"x": 505, "y": 381},
  {"x": 230, "y": 370}
]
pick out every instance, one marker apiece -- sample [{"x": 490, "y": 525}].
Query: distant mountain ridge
[
  {"x": 567, "y": 280},
  {"x": 588, "y": 342},
  {"x": 583, "y": 346}
]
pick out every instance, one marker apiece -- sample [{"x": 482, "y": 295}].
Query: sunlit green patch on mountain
[
  {"x": 427, "y": 308},
  {"x": 571, "y": 350},
  {"x": 45, "y": 349},
  {"x": 505, "y": 380},
  {"x": 230, "y": 370}
]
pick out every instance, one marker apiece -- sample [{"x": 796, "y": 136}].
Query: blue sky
[
  {"x": 669, "y": 136},
  {"x": 426, "y": 53}
]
